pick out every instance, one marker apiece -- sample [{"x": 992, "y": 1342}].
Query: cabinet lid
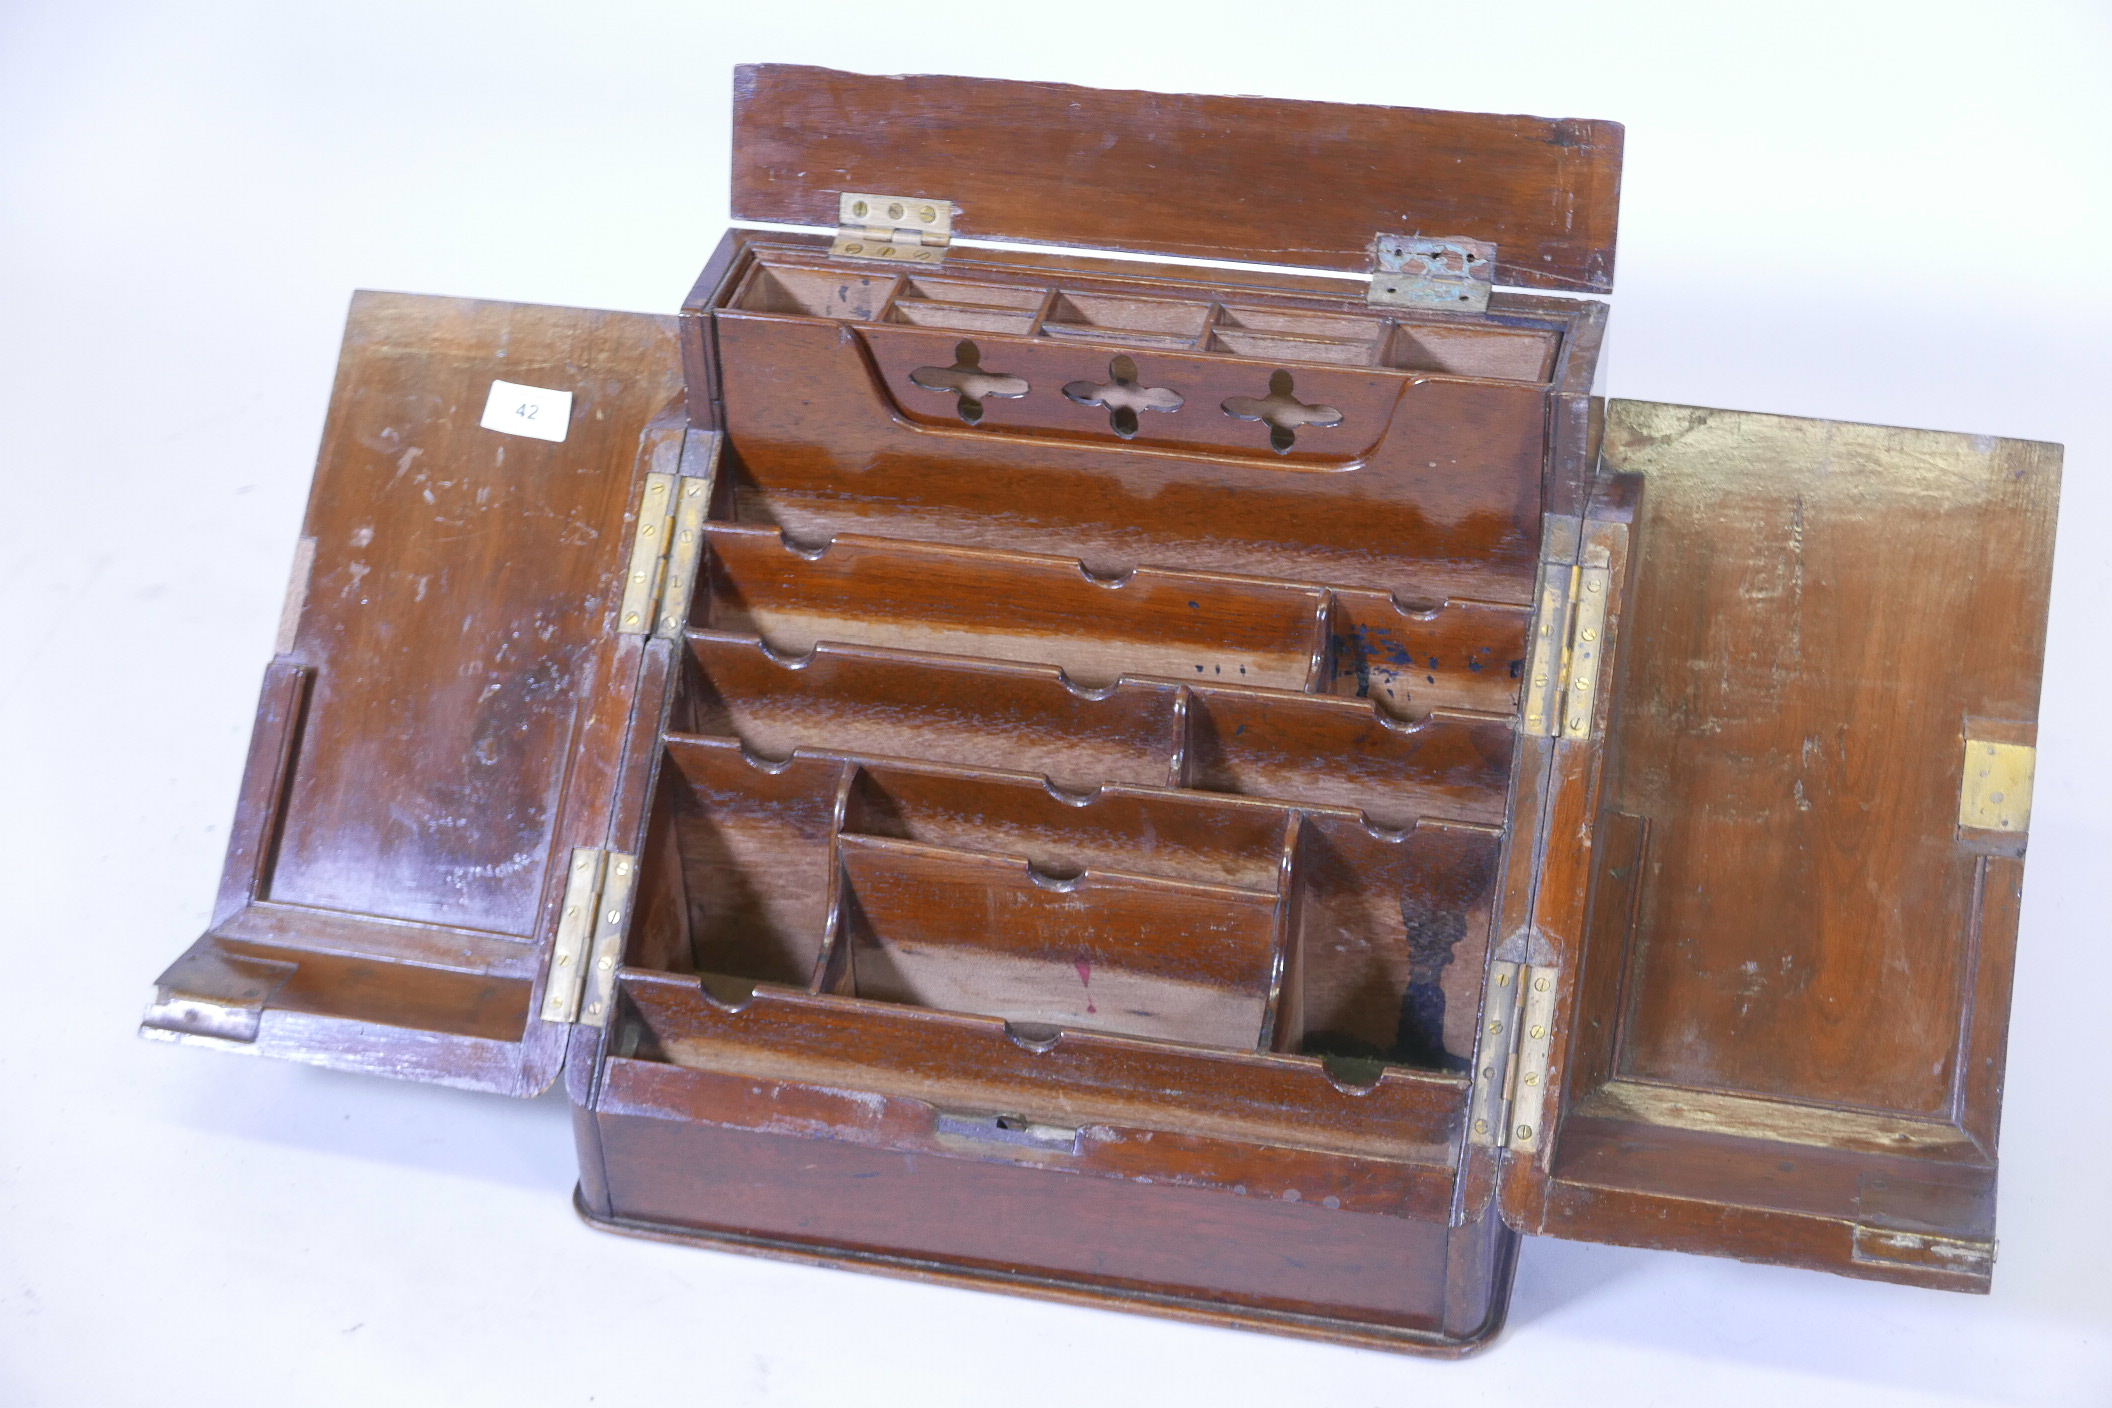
[
  {"x": 441, "y": 726},
  {"x": 1789, "y": 1011},
  {"x": 1259, "y": 180}
]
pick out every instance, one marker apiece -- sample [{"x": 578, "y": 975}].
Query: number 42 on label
[{"x": 535, "y": 411}]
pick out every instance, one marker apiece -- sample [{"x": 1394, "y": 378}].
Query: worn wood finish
[
  {"x": 1428, "y": 487},
  {"x": 1009, "y": 606},
  {"x": 1092, "y": 815},
  {"x": 444, "y": 720},
  {"x": 1064, "y": 1077},
  {"x": 1257, "y": 179},
  {"x": 1803, "y": 954},
  {"x": 1162, "y": 1248},
  {"x": 1095, "y": 951}
]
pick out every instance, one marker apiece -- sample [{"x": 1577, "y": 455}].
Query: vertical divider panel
[
  {"x": 1320, "y": 674},
  {"x": 1042, "y": 311},
  {"x": 663, "y": 927},
  {"x": 1283, "y": 1023},
  {"x": 1177, "y": 766},
  {"x": 1214, "y": 315},
  {"x": 833, "y": 957}
]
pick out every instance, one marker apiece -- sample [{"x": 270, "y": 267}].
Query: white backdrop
[{"x": 1878, "y": 212}]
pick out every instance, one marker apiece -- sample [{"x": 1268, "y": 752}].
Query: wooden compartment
[
  {"x": 1428, "y": 488},
  {"x": 1096, "y": 951},
  {"x": 1390, "y": 935},
  {"x": 1292, "y": 335},
  {"x": 1415, "y": 657},
  {"x": 1512, "y": 354},
  {"x": 741, "y": 867},
  {"x": 894, "y": 704},
  {"x": 1007, "y": 606},
  {"x": 1114, "y": 321},
  {"x": 792, "y": 285},
  {"x": 1209, "y": 789},
  {"x": 1345, "y": 753},
  {"x": 1147, "y": 831},
  {"x": 811, "y": 292},
  {"x": 967, "y": 307}
]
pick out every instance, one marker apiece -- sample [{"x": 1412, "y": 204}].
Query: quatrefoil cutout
[
  {"x": 1282, "y": 412},
  {"x": 1122, "y": 397},
  {"x": 967, "y": 380}
]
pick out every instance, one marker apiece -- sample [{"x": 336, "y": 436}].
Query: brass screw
[
  {"x": 1525, "y": 1131},
  {"x": 859, "y": 208},
  {"x": 1495, "y": 1027},
  {"x": 1481, "y": 1126},
  {"x": 894, "y": 212},
  {"x": 1540, "y": 985}
]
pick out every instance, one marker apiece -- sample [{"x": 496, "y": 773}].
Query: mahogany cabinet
[{"x": 1231, "y": 792}]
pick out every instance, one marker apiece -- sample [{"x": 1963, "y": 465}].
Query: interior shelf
[
  {"x": 1221, "y": 801},
  {"x": 791, "y": 285}
]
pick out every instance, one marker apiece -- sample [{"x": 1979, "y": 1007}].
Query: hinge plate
[
  {"x": 685, "y": 553},
  {"x": 1536, "y": 1028},
  {"x": 1569, "y": 643},
  {"x": 575, "y": 924},
  {"x": 590, "y": 932},
  {"x": 648, "y": 566},
  {"x": 1447, "y": 274},
  {"x": 1544, "y": 662},
  {"x": 1488, "y": 1113},
  {"x": 1587, "y": 646},
  {"x": 1996, "y": 792},
  {"x": 898, "y": 229},
  {"x": 1510, "y": 1077},
  {"x": 667, "y": 551}
]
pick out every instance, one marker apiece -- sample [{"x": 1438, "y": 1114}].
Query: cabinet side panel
[
  {"x": 457, "y": 614},
  {"x": 1825, "y": 614}
]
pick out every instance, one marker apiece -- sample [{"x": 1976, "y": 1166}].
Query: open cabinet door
[
  {"x": 442, "y": 723},
  {"x": 1784, "y": 1041}
]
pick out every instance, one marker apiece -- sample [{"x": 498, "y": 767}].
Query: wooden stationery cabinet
[{"x": 1230, "y": 791}]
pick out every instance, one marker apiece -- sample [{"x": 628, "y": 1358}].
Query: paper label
[{"x": 513, "y": 409}]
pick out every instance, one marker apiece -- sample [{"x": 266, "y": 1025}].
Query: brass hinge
[
  {"x": 590, "y": 932},
  {"x": 1569, "y": 642},
  {"x": 1510, "y": 1074},
  {"x": 1442, "y": 275},
  {"x": 665, "y": 553},
  {"x": 902, "y": 229}
]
